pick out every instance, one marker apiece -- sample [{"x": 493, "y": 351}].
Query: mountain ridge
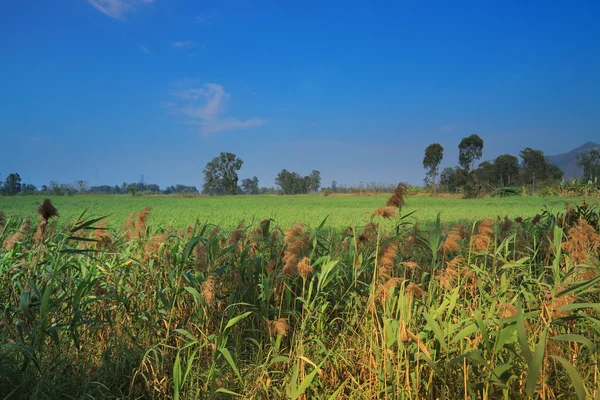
[{"x": 567, "y": 162}]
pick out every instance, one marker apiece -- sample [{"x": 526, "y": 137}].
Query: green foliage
[
  {"x": 470, "y": 149},
  {"x": 507, "y": 191},
  {"x": 220, "y": 174},
  {"x": 590, "y": 162},
  {"x": 434, "y": 153},
  {"x": 294, "y": 183},
  {"x": 12, "y": 185}
]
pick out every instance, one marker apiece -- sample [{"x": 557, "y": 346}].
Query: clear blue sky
[{"x": 106, "y": 90}]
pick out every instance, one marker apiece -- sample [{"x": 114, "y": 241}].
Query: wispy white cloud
[
  {"x": 205, "y": 107},
  {"x": 207, "y": 18},
  {"x": 118, "y": 9},
  {"x": 143, "y": 48},
  {"x": 182, "y": 44}
]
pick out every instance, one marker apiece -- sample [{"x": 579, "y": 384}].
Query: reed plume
[
  {"x": 304, "y": 267},
  {"x": 295, "y": 241},
  {"x": 398, "y": 198},
  {"x": 582, "y": 242},
  {"x": 19, "y": 235},
  {"x": 385, "y": 212},
  {"x": 46, "y": 211}
]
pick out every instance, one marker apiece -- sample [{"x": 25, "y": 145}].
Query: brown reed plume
[
  {"x": 369, "y": 234},
  {"x": 18, "y": 236},
  {"x": 482, "y": 240},
  {"x": 295, "y": 241},
  {"x": 304, "y": 267},
  {"x": 201, "y": 263},
  {"x": 140, "y": 224},
  {"x": 582, "y": 242},
  {"x": 152, "y": 246},
  {"x": 386, "y": 259},
  {"x": 451, "y": 242},
  {"x": 385, "y": 212},
  {"x": 102, "y": 235},
  {"x": 279, "y": 326},
  {"x": 46, "y": 210},
  {"x": 383, "y": 289},
  {"x": 398, "y": 198}
]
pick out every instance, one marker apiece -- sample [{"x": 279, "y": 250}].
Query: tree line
[{"x": 533, "y": 170}]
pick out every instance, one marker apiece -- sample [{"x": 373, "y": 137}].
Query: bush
[{"x": 507, "y": 191}]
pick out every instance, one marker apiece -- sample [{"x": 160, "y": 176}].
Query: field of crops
[
  {"x": 493, "y": 309},
  {"x": 227, "y": 212}
]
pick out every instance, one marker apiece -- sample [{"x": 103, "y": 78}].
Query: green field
[{"x": 227, "y": 212}]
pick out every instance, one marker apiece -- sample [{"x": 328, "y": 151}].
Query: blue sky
[{"x": 107, "y": 90}]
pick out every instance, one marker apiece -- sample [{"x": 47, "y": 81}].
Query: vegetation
[
  {"x": 492, "y": 310},
  {"x": 228, "y": 211},
  {"x": 534, "y": 173},
  {"x": 434, "y": 153},
  {"x": 294, "y": 183},
  {"x": 220, "y": 175},
  {"x": 589, "y": 161}
]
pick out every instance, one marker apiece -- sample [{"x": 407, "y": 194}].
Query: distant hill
[{"x": 567, "y": 162}]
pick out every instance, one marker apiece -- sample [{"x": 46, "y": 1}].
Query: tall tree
[
  {"x": 590, "y": 162},
  {"x": 220, "y": 175},
  {"x": 470, "y": 149},
  {"x": 434, "y": 153},
  {"x": 12, "y": 185},
  {"x": 250, "y": 185},
  {"x": 507, "y": 167},
  {"x": 315, "y": 181},
  {"x": 536, "y": 168}
]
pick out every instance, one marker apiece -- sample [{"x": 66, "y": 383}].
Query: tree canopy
[
  {"x": 434, "y": 153},
  {"x": 470, "y": 149},
  {"x": 220, "y": 174}
]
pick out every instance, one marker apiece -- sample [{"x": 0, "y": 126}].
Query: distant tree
[
  {"x": 590, "y": 162},
  {"x": 434, "y": 153},
  {"x": 470, "y": 149},
  {"x": 292, "y": 182},
  {"x": 27, "y": 188},
  {"x": 44, "y": 189},
  {"x": 220, "y": 175},
  {"x": 250, "y": 185},
  {"x": 487, "y": 175},
  {"x": 507, "y": 167},
  {"x": 133, "y": 188},
  {"x": 315, "y": 181},
  {"x": 81, "y": 185},
  {"x": 448, "y": 180},
  {"x": 334, "y": 187},
  {"x": 536, "y": 169},
  {"x": 12, "y": 185}
]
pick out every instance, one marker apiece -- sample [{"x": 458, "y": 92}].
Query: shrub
[{"x": 507, "y": 191}]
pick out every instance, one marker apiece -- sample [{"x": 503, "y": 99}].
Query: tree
[
  {"x": 293, "y": 182},
  {"x": 315, "y": 181},
  {"x": 590, "y": 162},
  {"x": 220, "y": 175},
  {"x": 250, "y": 186},
  {"x": 487, "y": 174},
  {"x": 334, "y": 187},
  {"x": 507, "y": 167},
  {"x": 536, "y": 168},
  {"x": 470, "y": 149},
  {"x": 434, "y": 153},
  {"x": 12, "y": 185},
  {"x": 81, "y": 185}
]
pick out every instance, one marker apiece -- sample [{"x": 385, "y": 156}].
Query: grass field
[{"x": 227, "y": 212}]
